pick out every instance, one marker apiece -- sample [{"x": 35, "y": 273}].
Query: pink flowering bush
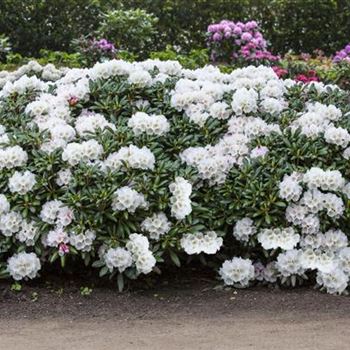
[
  {"x": 307, "y": 77},
  {"x": 304, "y": 77},
  {"x": 238, "y": 42}
]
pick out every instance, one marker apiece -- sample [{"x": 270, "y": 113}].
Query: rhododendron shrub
[
  {"x": 237, "y": 42},
  {"x": 130, "y": 167}
]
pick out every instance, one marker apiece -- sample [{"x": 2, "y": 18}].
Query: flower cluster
[
  {"x": 342, "y": 55},
  {"x": 318, "y": 120},
  {"x": 138, "y": 246},
  {"x": 237, "y": 271},
  {"x": 83, "y": 241},
  {"x": 21, "y": 182},
  {"x": 94, "y": 50},
  {"x": 136, "y": 252},
  {"x": 244, "y": 229},
  {"x": 230, "y": 40},
  {"x": 308, "y": 210},
  {"x": 23, "y": 265},
  {"x": 156, "y": 225},
  {"x": 31, "y": 69},
  {"x": 208, "y": 243},
  {"x": 309, "y": 76},
  {"x": 132, "y": 156},
  {"x": 285, "y": 239},
  {"x": 180, "y": 200},
  {"x": 149, "y": 124},
  {"x": 125, "y": 198}
]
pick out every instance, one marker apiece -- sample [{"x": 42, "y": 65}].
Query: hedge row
[{"x": 300, "y": 25}]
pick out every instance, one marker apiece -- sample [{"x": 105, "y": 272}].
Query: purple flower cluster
[
  {"x": 240, "y": 32},
  {"x": 238, "y": 41},
  {"x": 103, "y": 45},
  {"x": 342, "y": 55},
  {"x": 94, "y": 50}
]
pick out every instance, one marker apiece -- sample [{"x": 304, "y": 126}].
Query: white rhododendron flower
[
  {"x": 156, "y": 225},
  {"x": 140, "y": 78},
  {"x": 12, "y": 157},
  {"x": 196, "y": 243},
  {"x": 82, "y": 241},
  {"x": 23, "y": 265},
  {"x": 337, "y": 136},
  {"x": 118, "y": 258},
  {"x": 289, "y": 263},
  {"x": 244, "y": 229},
  {"x": 237, "y": 271},
  {"x": 138, "y": 246},
  {"x": 89, "y": 122},
  {"x": 290, "y": 189},
  {"x": 141, "y": 122},
  {"x": 272, "y": 105},
  {"x": 335, "y": 281},
  {"x": 22, "y": 85},
  {"x": 330, "y": 180},
  {"x": 344, "y": 259},
  {"x": 126, "y": 198},
  {"x": 180, "y": 200},
  {"x": 244, "y": 101},
  {"x": 22, "y": 182},
  {"x": 28, "y": 232},
  {"x": 56, "y": 237},
  {"x": 258, "y": 152},
  {"x": 134, "y": 157},
  {"x": 10, "y": 223},
  {"x": 220, "y": 110},
  {"x": 284, "y": 238},
  {"x": 82, "y": 152},
  {"x": 64, "y": 177},
  {"x": 55, "y": 212}
]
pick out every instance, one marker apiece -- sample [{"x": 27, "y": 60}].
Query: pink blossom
[
  {"x": 73, "y": 101},
  {"x": 217, "y": 37},
  {"x": 246, "y": 36},
  {"x": 251, "y": 25},
  {"x": 238, "y": 41},
  {"x": 63, "y": 249},
  {"x": 237, "y": 30}
]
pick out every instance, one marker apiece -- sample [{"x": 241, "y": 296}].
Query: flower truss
[
  {"x": 237, "y": 41},
  {"x": 129, "y": 167},
  {"x": 342, "y": 55}
]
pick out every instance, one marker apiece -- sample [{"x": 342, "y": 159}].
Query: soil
[{"x": 180, "y": 312}]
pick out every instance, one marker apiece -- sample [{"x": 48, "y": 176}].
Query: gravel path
[
  {"x": 284, "y": 332},
  {"x": 187, "y": 315}
]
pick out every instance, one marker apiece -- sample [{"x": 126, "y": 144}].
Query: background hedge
[
  {"x": 300, "y": 25},
  {"x": 33, "y": 25}
]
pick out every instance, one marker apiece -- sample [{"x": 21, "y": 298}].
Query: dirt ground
[{"x": 177, "y": 314}]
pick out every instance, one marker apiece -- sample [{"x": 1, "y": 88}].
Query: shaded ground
[{"x": 180, "y": 313}]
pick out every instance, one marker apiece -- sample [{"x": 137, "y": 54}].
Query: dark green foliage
[
  {"x": 46, "y": 24},
  {"x": 132, "y": 30},
  {"x": 298, "y": 25}
]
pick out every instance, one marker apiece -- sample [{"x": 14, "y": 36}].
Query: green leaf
[
  {"x": 120, "y": 281},
  {"x": 175, "y": 259},
  {"x": 103, "y": 271},
  {"x": 98, "y": 263}
]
